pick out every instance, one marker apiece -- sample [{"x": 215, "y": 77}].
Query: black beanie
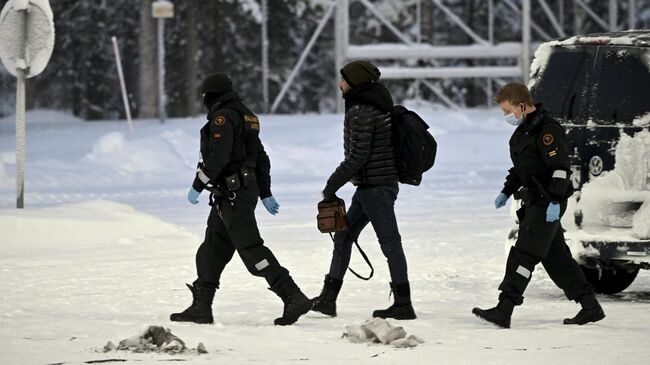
[
  {"x": 360, "y": 72},
  {"x": 218, "y": 83}
]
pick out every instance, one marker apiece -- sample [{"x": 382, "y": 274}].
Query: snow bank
[
  {"x": 43, "y": 116},
  {"x": 152, "y": 154},
  {"x": 85, "y": 226}
]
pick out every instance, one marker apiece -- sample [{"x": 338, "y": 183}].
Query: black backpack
[{"x": 415, "y": 147}]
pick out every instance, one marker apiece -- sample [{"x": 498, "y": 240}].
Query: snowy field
[{"x": 108, "y": 240}]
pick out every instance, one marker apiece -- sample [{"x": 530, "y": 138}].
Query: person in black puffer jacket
[{"x": 370, "y": 164}]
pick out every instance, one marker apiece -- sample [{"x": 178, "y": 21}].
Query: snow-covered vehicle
[{"x": 598, "y": 86}]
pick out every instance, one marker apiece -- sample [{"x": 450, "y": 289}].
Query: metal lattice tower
[{"x": 482, "y": 47}]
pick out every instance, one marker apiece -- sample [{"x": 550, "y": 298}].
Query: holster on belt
[
  {"x": 331, "y": 216},
  {"x": 527, "y": 195},
  {"x": 242, "y": 177}
]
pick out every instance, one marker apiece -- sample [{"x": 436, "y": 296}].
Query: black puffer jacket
[{"x": 368, "y": 142}]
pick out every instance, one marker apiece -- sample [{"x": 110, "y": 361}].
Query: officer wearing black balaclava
[{"x": 236, "y": 171}]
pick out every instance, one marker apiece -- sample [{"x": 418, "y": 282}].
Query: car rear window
[
  {"x": 621, "y": 86},
  {"x": 562, "y": 86}
]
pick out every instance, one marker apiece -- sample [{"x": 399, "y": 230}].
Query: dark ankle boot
[
  {"x": 402, "y": 307},
  {"x": 201, "y": 309},
  {"x": 499, "y": 315},
  {"x": 295, "y": 302},
  {"x": 326, "y": 302},
  {"x": 591, "y": 311}
]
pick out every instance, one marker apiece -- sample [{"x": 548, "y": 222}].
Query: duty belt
[
  {"x": 528, "y": 195},
  {"x": 218, "y": 192},
  {"x": 228, "y": 186}
]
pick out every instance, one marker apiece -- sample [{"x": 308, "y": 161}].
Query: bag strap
[{"x": 365, "y": 257}]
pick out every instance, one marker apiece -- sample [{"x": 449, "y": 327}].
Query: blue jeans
[{"x": 375, "y": 205}]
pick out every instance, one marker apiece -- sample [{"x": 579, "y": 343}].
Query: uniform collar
[
  {"x": 223, "y": 100},
  {"x": 533, "y": 120}
]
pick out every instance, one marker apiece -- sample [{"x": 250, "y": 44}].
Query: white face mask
[{"x": 514, "y": 121}]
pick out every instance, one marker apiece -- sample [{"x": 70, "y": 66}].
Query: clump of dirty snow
[
  {"x": 378, "y": 330},
  {"x": 154, "y": 339}
]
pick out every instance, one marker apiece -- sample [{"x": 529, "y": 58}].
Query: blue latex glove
[
  {"x": 193, "y": 196},
  {"x": 271, "y": 205},
  {"x": 553, "y": 212},
  {"x": 501, "y": 200}
]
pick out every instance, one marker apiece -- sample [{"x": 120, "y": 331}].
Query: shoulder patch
[
  {"x": 253, "y": 121},
  {"x": 548, "y": 139},
  {"x": 220, "y": 120}
]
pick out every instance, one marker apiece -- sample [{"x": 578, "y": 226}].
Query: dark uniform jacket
[
  {"x": 229, "y": 142},
  {"x": 538, "y": 149},
  {"x": 368, "y": 140}
]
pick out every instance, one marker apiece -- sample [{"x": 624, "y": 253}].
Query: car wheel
[{"x": 609, "y": 281}]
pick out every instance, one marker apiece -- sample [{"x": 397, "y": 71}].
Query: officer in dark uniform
[
  {"x": 540, "y": 177},
  {"x": 235, "y": 169}
]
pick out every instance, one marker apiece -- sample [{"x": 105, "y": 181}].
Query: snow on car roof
[
  {"x": 639, "y": 38},
  {"x": 635, "y": 38}
]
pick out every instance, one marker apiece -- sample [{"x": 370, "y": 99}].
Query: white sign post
[
  {"x": 26, "y": 44},
  {"x": 160, "y": 10}
]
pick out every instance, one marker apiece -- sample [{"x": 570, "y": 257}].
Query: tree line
[{"x": 225, "y": 35}]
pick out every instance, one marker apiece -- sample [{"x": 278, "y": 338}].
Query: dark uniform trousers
[
  {"x": 375, "y": 205},
  {"x": 541, "y": 241},
  {"x": 232, "y": 227}
]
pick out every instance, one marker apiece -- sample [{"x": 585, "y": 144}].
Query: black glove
[{"x": 328, "y": 197}]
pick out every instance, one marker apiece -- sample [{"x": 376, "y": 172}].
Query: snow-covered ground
[{"x": 107, "y": 242}]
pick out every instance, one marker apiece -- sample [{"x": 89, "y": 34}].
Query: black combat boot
[
  {"x": 401, "y": 308},
  {"x": 326, "y": 302},
  {"x": 295, "y": 302},
  {"x": 591, "y": 311},
  {"x": 499, "y": 315},
  {"x": 201, "y": 309}
]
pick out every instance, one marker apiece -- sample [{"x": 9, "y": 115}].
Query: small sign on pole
[
  {"x": 160, "y": 10},
  {"x": 26, "y": 44}
]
